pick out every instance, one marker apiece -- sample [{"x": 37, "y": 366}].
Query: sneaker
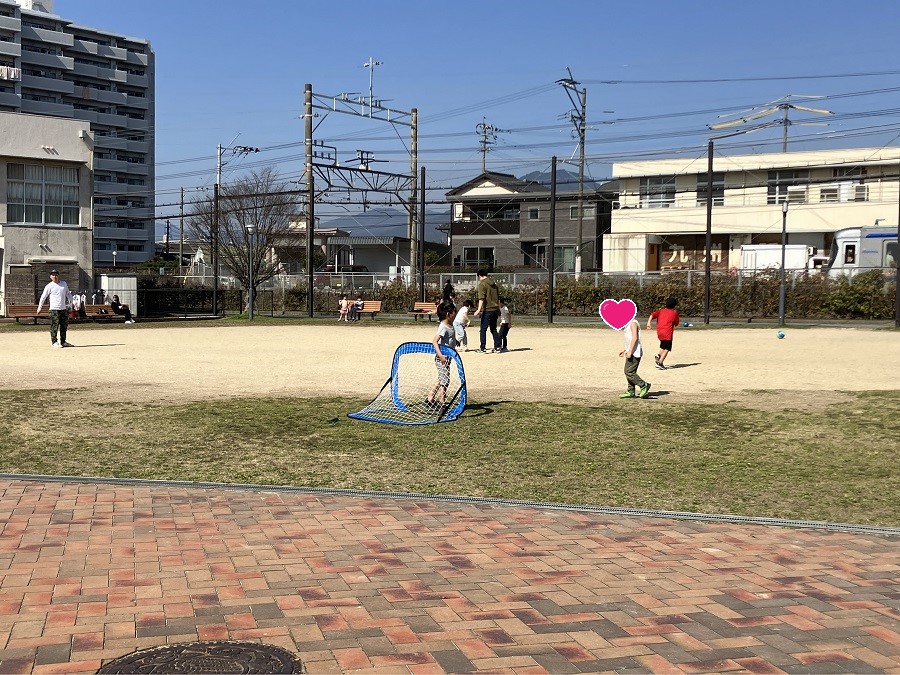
[
  {"x": 627, "y": 394},
  {"x": 656, "y": 358},
  {"x": 644, "y": 390},
  {"x": 497, "y": 350},
  {"x": 67, "y": 344},
  {"x": 660, "y": 366},
  {"x": 482, "y": 351},
  {"x": 56, "y": 345},
  {"x": 132, "y": 321}
]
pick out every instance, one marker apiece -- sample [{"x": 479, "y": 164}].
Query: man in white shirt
[{"x": 58, "y": 293}]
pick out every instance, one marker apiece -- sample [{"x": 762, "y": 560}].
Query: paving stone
[{"x": 387, "y": 584}]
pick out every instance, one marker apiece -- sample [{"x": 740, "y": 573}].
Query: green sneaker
[
  {"x": 627, "y": 394},
  {"x": 644, "y": 390}
]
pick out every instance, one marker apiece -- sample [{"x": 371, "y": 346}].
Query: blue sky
[{"x": 229, "y": 67}]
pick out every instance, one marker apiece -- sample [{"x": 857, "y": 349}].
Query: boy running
[{"x": 666, "y": 321}]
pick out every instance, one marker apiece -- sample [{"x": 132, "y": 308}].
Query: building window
[
  {"x": 478, "y": 257},
  {"x": 718, "y": 189},
  {"x": 511, "y": 214},
  {"x": 784, "y": 186},
  {"x": 47, "y": 195},
  {"x": 587, "y": 210},
  {"x": 534, "y": 214},
  {"x": 657, "y": 192}
]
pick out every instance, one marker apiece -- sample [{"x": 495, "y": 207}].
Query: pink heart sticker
[{"x": 618, "y": 313}]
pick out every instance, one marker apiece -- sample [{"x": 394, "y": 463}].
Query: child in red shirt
[{"x": 666, "y": 320}]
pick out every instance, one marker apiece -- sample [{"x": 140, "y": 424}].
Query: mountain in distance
[
  {"x": 389, "y": 222},
  {"x": 566, "y": 181}
]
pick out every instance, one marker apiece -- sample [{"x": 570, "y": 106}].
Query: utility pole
[
  {"x": 167, "y": 239},
  {"x": 181, "y": 233},
  {"x": 311, "y": 195},
  {"x": 551, "y": 258},
  {"x": 215, "y": 233},
  {"x": 370, "y": 64},
  {"x": 237, "y": 150},
  {"x": 414, "y": 194},
  {"x": 578, "y": 118},
  {"x": 488, "y": 133}
]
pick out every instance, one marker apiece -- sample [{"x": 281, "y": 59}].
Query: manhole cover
[{"x": 218, "y": 656}]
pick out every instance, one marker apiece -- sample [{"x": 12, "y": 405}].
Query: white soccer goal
[{"x": 419, "y": 390}]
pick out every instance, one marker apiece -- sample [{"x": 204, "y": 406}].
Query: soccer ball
[
  {"x": 685, "y": 324},
  {"x": 780, "y": 335}
]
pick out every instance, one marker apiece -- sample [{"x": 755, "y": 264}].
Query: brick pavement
[{"x": 91, "y": 572}]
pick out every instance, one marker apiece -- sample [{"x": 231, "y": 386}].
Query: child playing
[
  {"x": 461, "y": 322},
  {"x": 505, "y": 323},
  {"x": 666, "y": 321},
  {"x": 632, "y": 354},
  {"x": 344, "y": 308},
  {"x": 445, "y": 336}
]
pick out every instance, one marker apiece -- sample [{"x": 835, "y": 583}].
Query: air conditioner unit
[{"x": 616, "y": 205}]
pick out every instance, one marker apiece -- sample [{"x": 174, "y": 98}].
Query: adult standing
[
  {"x": 449, "y": 294},
  {"x": 59, "y": 296},
  {"x": 488, "y": 296}
]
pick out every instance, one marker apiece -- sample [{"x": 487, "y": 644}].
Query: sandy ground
[{"x": 810, "y": 367}]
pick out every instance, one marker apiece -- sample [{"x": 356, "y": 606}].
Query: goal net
[{"x": 420, "y": 389}]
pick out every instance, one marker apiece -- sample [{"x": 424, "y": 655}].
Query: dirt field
[{"x": 810, "y": 367}]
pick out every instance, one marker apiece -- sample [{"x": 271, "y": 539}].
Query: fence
[{"x": 868, "y": 295}]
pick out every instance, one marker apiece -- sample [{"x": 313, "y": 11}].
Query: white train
[{"x": 860, "y": 249}]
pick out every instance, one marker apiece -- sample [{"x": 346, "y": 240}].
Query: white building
[
  {"x": 46, "y": 180},
  {"x": 661, "y": 220}
]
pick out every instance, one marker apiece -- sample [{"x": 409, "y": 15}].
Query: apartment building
[
  {"x": 53, "y": 66},
  {"x": 500, "y": 221},
  {"x": 661, "y": 219}
]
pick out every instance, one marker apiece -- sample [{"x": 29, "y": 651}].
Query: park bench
[
  {"x": 370, "y": 307},
  {"x": 101, "y": 313},
  {"x": 92, "y": 313},
  {"x": 27, "y": 312},
  {"x": 423, "y": 309}
]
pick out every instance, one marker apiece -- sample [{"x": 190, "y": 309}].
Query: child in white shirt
[
  {"x": 460, "y": 323},
  {"x": 505, "y": 324}
]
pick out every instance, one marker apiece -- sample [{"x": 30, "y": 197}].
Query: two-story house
[
  {"x": 662, "y": 216},
  {"x": 500, "y": 221}
]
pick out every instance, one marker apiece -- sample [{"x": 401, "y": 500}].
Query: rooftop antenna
[
  {"x": 370, "y": 64},
  {"x": 783, "y": 104}
]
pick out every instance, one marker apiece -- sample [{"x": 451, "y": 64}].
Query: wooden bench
[
  {"x": 94, "y": 313},
  {"x": 27, "y": 312},
  {"x": 423, "y": 309},
  {"x": 369, "y": 307}
]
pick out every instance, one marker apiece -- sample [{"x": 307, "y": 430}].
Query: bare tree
[{"x": 260, "y": 199}]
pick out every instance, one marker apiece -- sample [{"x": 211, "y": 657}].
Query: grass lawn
[{"x": 838, "y": 465}]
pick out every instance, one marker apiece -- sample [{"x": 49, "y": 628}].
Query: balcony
[
  {"x": 11, "y": 23},
  {"x": 48, "y": 84},
  {"x": 120, "y": 233},
  {"x": 10, "y": 99},
  {"x": 46, "y": 108},
  {"x": 10, "y": 49},
  {"x": 46, "y": 60},
  {"x": 484, "y": 228},
  {"x": 53, "y": 37}
]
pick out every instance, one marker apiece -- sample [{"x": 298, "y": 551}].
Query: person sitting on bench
[{"x": 119, "y": 308}]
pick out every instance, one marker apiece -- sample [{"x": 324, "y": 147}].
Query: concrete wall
[{"x": 30, "y": 250}]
